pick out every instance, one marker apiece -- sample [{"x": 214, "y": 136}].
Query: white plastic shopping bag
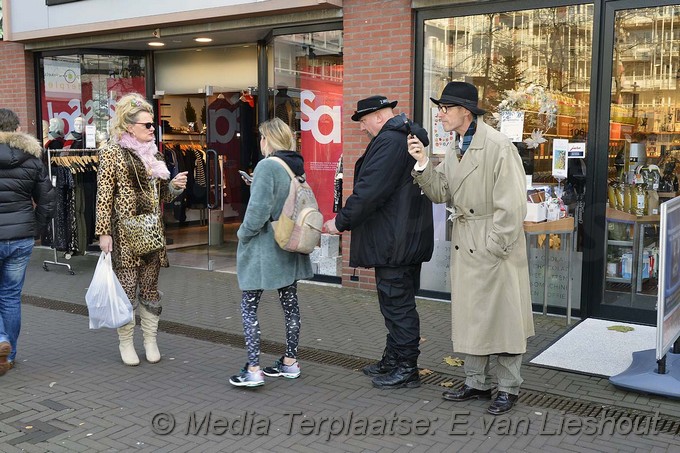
[{"x": 107, "y": 303}]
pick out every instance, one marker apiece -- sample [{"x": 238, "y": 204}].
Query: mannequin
[
  {"x": 285, "y": 109},
  {"x": 56, "y": 134},
  {"x": 76, "y": 136}
]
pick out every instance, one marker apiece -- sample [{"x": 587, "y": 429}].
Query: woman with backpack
[{"x": 261, "y": 264}]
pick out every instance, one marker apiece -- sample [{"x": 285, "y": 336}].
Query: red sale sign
[{"x": 321, "y": 138}]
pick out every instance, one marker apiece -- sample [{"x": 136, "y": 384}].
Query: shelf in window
[
  {"x": 618, "y": 279},
  {"x": 625, "y": 217},
  {"x": 620, "y": 243}
]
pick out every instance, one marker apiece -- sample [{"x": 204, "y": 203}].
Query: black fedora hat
[
  {"x": 370, "y": 105},
  {"x": 460, "y": 93}
]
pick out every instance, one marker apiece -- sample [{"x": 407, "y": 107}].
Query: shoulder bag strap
[{"x": 152, "y": 196}]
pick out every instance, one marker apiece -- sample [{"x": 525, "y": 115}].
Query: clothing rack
[{"x": 49, "y": 172}]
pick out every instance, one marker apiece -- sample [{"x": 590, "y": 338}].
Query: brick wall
[
  {"x": 378, "y": 59},
  {"x": 17, "y": 84}
]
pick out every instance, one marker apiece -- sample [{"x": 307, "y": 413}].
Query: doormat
[{"x": 597, "y": 347}]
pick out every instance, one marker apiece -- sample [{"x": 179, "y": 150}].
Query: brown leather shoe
[
  {"x": 466, "y": 393},
  {"x": 5, "y": 350},
  {"x": 503, "y": 403}
]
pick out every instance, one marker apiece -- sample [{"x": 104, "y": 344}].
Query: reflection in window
[
  {"x": 532, "y": 70},
  {"x": 307, "y": 95},
  {"x": 534, "y": 61},
  {"x": 644, "y": 150},
  {"x": 86, "y": 86}
]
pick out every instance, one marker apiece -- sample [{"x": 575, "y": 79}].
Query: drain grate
[{"x": 572, "y": 406}]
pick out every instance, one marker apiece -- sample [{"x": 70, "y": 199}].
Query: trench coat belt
[{"x": 462, "y": 221}]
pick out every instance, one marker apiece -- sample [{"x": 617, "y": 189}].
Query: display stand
[
  {"x": 636, "y": 245},
  {"x": 53, "y": 182},
  {"x": 565, "y": 228}
]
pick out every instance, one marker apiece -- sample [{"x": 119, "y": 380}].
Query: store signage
[
  {"x": 90, "y": 136},
  {"x": 557, "y": 279},
  {"x": 62, "y": 78},
  {"x": 441, "y": 140},
  {"x": 223, "y": 136},
  {"x": 64, "y": 95},
  {"x": 576, "y": 150},
  {"x": 668, "y": 305},
  {"x": 223, "y": 121},
  {"x": 321, "y": 136},
  {"x": 315, "y": 117},
  {"x": 559, "y": 158},
  {"x": 512, "y": 125}
]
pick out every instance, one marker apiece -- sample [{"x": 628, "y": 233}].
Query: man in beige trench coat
[{"x": 482, "y": 178}]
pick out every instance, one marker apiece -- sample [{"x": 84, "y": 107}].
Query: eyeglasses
[
  {"x": 147, "y": 125},
  {"x": 445, "y": 108}
]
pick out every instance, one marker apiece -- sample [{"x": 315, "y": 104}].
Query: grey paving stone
[{"x": 62, "y": 361}]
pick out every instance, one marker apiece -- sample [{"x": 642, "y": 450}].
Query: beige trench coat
[{"x": 490, "y": 292}]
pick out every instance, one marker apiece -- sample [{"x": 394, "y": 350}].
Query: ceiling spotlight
[
  {"x": 156, "y": 44},
  {"x": 203, "y": 39}
]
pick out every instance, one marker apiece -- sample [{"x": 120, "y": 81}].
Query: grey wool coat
[
  {"x": 490, "y": 291},
  {"x": 260, "y": 262}
]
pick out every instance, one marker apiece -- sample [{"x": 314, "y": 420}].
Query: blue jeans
[{"x": 14, "y": 257}]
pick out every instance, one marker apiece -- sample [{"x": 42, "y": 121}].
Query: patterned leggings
[{"x": 251, "y": 327}]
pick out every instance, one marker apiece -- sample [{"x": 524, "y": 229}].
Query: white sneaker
[
  {"x": 247, "y": 378},
  {"x": 280, "y": 369}
]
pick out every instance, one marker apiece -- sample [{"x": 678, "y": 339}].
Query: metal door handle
[{"x": 213, "y": 178}]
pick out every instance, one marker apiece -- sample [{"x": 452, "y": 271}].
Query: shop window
[
  {"x": 307, "y": 95},
  {"x": 644, "y": 152},
  {"x": 532, "y": 71},
  {"x": 85, "y": 87}
]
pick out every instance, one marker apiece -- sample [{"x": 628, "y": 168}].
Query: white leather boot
[
  {"x": 149, "y": 329},
  {"x": 127, "y": 345}
]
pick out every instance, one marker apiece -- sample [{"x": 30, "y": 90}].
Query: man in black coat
[
  {"x": 391, "y": 224},
  {"x": 26, "y": 205}
]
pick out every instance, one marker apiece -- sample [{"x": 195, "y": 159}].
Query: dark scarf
[{"x": 467, "y": 138}]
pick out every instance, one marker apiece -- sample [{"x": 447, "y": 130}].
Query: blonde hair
[
  {"x": 128, "y": 108},
  {"x": 278, "y": 134}
]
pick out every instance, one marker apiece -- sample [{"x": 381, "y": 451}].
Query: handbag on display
[{"x": 143, "y": 232}]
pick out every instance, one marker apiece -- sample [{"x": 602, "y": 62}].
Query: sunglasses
[{"x": 147, "y": 125}]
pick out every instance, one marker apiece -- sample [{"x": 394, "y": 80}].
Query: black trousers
[{"x": 397, "y": 288}]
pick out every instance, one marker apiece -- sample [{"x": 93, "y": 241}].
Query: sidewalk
[{"x": 70, "y": 391}]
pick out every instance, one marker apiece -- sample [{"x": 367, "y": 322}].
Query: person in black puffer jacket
[
  {"x": 26, "y": 205},
  {"x": 391, "y": 224}
]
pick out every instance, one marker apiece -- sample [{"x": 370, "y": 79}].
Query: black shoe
[
  {"x": 404, "y": 375},
  {"x": 384, "y": 366},
  {"x": 502, "y": 404},
  {"x": 466, "y": 393}
]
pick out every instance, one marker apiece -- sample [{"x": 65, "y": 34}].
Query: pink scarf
[{"x": 146, "y": 151}]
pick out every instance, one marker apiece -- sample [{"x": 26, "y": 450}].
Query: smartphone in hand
[
  {"x": 245, "y": 176},
  {"x": 407, "y": 125}
]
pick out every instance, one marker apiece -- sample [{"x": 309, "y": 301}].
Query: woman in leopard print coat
[{"x": 129, "y": 167}]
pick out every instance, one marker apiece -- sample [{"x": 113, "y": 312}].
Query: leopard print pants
[{"x": 145, "y": 279}]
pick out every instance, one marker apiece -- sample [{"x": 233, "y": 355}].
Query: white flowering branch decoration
[
  {"x": 547, "y": 105},
  {"x": 534, "y": 97},
  {"x": 535, "y": 140}
]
